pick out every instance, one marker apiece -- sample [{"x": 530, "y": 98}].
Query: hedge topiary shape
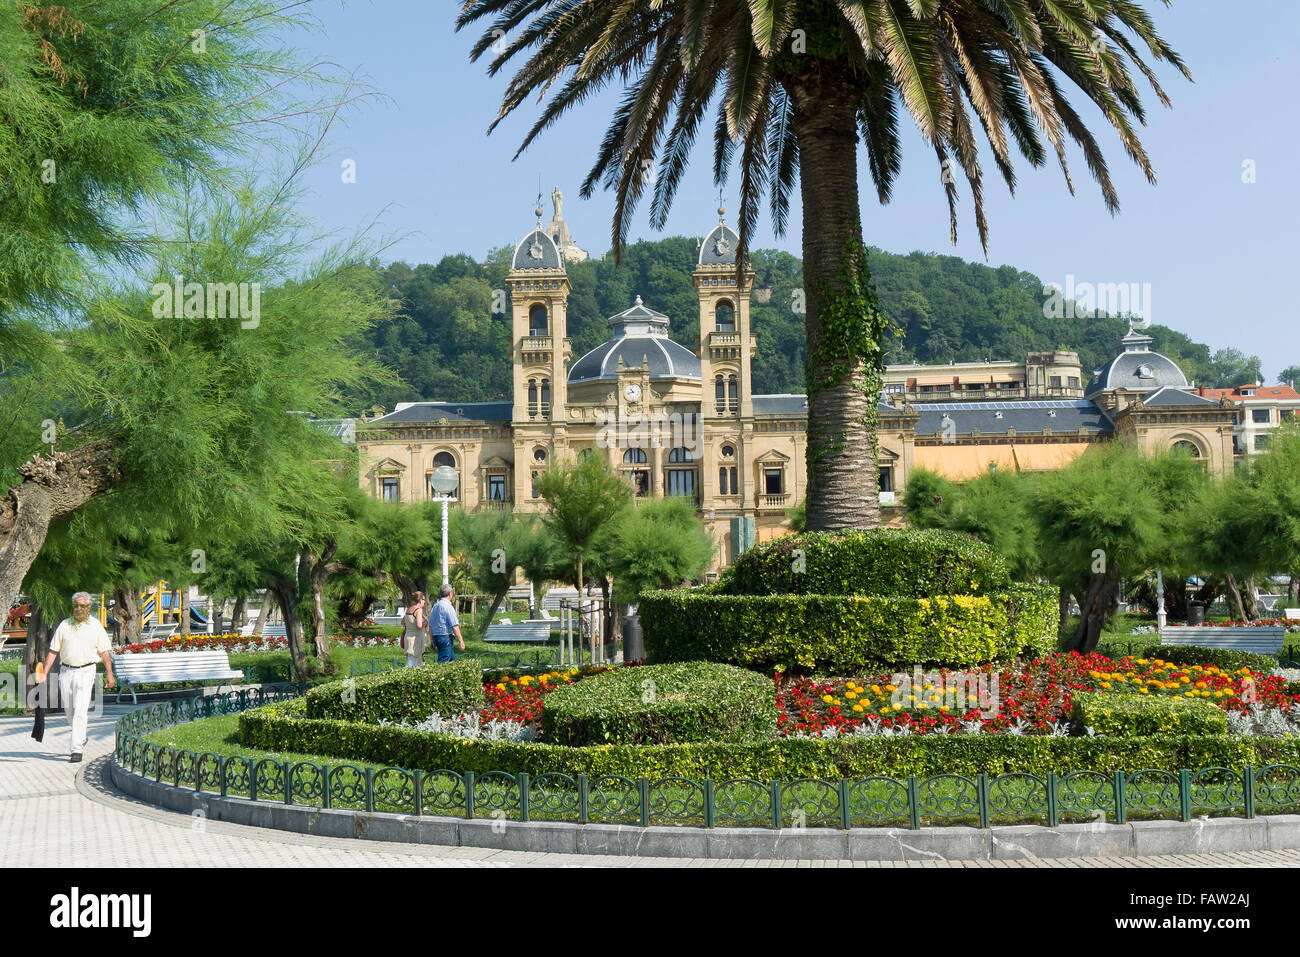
[
  {"x": 691, "y": 701},
  {"x": 414, "y": 693},
  {"x": 883, "y": 562},
  {"x": 1128, "y": 715},
  {"x": 844, "y": 601}
]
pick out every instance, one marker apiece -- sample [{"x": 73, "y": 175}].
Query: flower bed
[
  {"x": 1032, "y": 698},
  {"x": 1292, "y": 625},
  {"x": 235, "y": 644}
]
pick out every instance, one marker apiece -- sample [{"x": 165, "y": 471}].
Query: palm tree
[{"x": 799, "y": 83}]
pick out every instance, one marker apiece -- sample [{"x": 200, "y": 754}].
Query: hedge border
[{"x": 313, "y": 783}]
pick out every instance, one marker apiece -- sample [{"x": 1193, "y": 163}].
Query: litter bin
[
  {"x": 1196, "y": 612},
  {"x": 633, "y": 647}
]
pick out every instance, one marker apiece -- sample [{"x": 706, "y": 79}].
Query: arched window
[
  {"x": 724, "y": 317},
  {"x": 1188, "y": 447},
  {"x": 532, "y": 396},
  {"x": 720, "y": 394},
  {"x": 584, "y": 454},
  {"x": 733, "y": 394},
  {"x": 439, "y": 460},
  {"x": 634, "y": 457},
  {"x": 538, "y": 324}
]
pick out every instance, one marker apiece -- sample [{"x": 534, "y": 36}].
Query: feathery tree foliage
[{"x": 798, "y": 85}]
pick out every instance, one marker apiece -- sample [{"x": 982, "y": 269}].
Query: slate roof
[
  {"x": 991, "y": 418},
  {"x": 537, "y": 242},
  {"x": 453, "y": 412},
  {"x": 640, "y": 336},
  {"x": 781, "y": 403},
  {"x": 719, "y": 247},
  {"x": 1170, "y": 396}
]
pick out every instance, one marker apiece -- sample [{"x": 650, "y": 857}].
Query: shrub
[
  {"x": 845, "y": 634},
  {"x": 1126, "y": 716},
  {"x": 659, "y": 704},
  {"x": 277, "y": 728},
  {"x": 1229, "y": 659},
  {"x": 415, "y": 693},
  {"x": 885, "y": 562}
]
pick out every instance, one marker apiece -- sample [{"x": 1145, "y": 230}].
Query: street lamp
[{"x": 444, "y": 481}]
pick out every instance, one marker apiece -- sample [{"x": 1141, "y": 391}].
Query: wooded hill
[{"x": 449, "y": 345}]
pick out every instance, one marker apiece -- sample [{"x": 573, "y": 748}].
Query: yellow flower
[
  {"x": 850, "y": 694},
  {"x": 1105, "y": 684},
  {"x": 934, "y": 697},
  {"x": 501, "y": 686},
  {"x": 1121, "y": 679},
  {"x": 1189, "y": 694},
  {"x": 891, "y": 687},
  {"x": 922, "y": 705},
  {"x": 944, "y": 708},
  {"x": 827, "y": 698},
  {"x": 875, "y": 689},
  {"x": 1144, "y": 690},
  {"x": 857, "y": 707}
]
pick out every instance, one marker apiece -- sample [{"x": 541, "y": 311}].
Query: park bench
[
  {"x": 134, "y": 670},
  {"x": 523, "y": 632},
  {"x": 1291, "y": 613},
  {"x": 1262, "y": 640}
]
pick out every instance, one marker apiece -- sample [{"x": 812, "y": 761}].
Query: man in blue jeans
[{"x": 444, "y": 623}]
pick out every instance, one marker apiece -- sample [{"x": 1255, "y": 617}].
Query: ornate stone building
[{"x": 682, "y": 422}]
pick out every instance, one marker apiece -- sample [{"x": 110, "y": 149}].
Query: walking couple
[{"x": 441, "y": 624}]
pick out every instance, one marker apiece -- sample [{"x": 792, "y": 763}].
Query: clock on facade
[{"x": 633, "y": 392}]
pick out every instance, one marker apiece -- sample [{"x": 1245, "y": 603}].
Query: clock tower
[{"x": 539, "y": 294}]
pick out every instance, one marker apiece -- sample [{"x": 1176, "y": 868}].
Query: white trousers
[
  {"x": 413, "y": 662},
  {"x": 75, "y": 688}
]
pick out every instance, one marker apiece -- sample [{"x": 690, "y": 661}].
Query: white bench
[
  {"x": 1264, "y": 640},
  {"x": 137, "y": 669},
  {"x": 1291, "y": 613},
  {"x": 523, "y": 632}
]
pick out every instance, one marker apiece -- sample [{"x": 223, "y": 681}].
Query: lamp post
[{"x": 444, "y": 481}]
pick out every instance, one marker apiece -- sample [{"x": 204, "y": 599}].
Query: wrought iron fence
[{"x": 878, "y": 801}]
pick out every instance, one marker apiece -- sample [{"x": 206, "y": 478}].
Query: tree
[
  {"x": 491, "y": 545},
  {"x": 1111, "y": 514},
  {"x": 1232, "y": 367},
  {"x": 1290, "y": 374},
  {"x": 581, "y": 500},
  {"x": 187, "y": 418},
  {"x": 799, "y": 83},
  {"x": 929, "y": 500},
  {"x": 659, "y": 545}
]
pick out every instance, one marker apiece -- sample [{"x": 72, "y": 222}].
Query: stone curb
[{"x": 1004, "y": 842}]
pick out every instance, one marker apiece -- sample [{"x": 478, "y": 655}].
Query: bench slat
[{"x": 539, "y": 631}]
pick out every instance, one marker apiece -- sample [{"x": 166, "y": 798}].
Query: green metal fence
[{"x": 980, "y": 800}]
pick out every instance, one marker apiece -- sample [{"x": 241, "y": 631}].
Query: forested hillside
[{"x": 449, "y": 345}]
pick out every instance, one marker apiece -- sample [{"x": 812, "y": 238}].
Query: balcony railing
[
  {"x": 496, "y": 505},
  {"x": 724, "y": 338},
  {"x": 537, "y": 344},
  {"x": 774, "y": 501}
]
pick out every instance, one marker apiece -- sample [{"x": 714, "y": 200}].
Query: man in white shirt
[{"x": 77, "y": 642}]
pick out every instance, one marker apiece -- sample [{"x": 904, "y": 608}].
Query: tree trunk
[
  {"x": 1293, "y": 590},
  {"x": 52, "y": 486},
  {"x": 183, "y": 596},
  {"x": 1235, "y": 594},
  {"x": 285, "y": 591},
  {"x": 264, "y": 612},
  {"x": 1095, "y": 610},
  {"x": 238, "y": 614},
  {"x": 127, "y": 614},
  {"x": 841, "y": 462},
  {"x": 1250, "y": 596},
  {"x": 497, "y": 599},
  {"x": 320, "y": 570}
]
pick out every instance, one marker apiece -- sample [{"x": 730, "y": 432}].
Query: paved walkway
[{"x": 57, "y": 814}]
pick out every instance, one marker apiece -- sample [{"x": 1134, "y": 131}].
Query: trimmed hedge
[
  {"x": 415, "y": 693},
  {"x": 885, "y": 562},
  {"x": 659, "y": 704},
  {"x": 1129, "y": 716},
  {"x": 846, "y": 633},
  {"x": 281, "y": 728},
  {"x": 1229, "y": 659}
]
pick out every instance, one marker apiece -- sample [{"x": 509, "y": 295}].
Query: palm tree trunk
[{"x": 841, "y": 462}]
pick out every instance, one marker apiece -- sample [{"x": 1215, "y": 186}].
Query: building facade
[
  {"x": 681, "y": 422},
  {"x": 1263, "y": 409}
]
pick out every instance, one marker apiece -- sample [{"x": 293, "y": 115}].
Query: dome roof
[
  {"x": 537, "y": 251},
  {"x": 1136, "y": 368},
  {"x": 640, "y": 336},
  {"x": 719, "y": 247}
]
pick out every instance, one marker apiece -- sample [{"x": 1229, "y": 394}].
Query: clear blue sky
[{"x": 1219, "y": 254}]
